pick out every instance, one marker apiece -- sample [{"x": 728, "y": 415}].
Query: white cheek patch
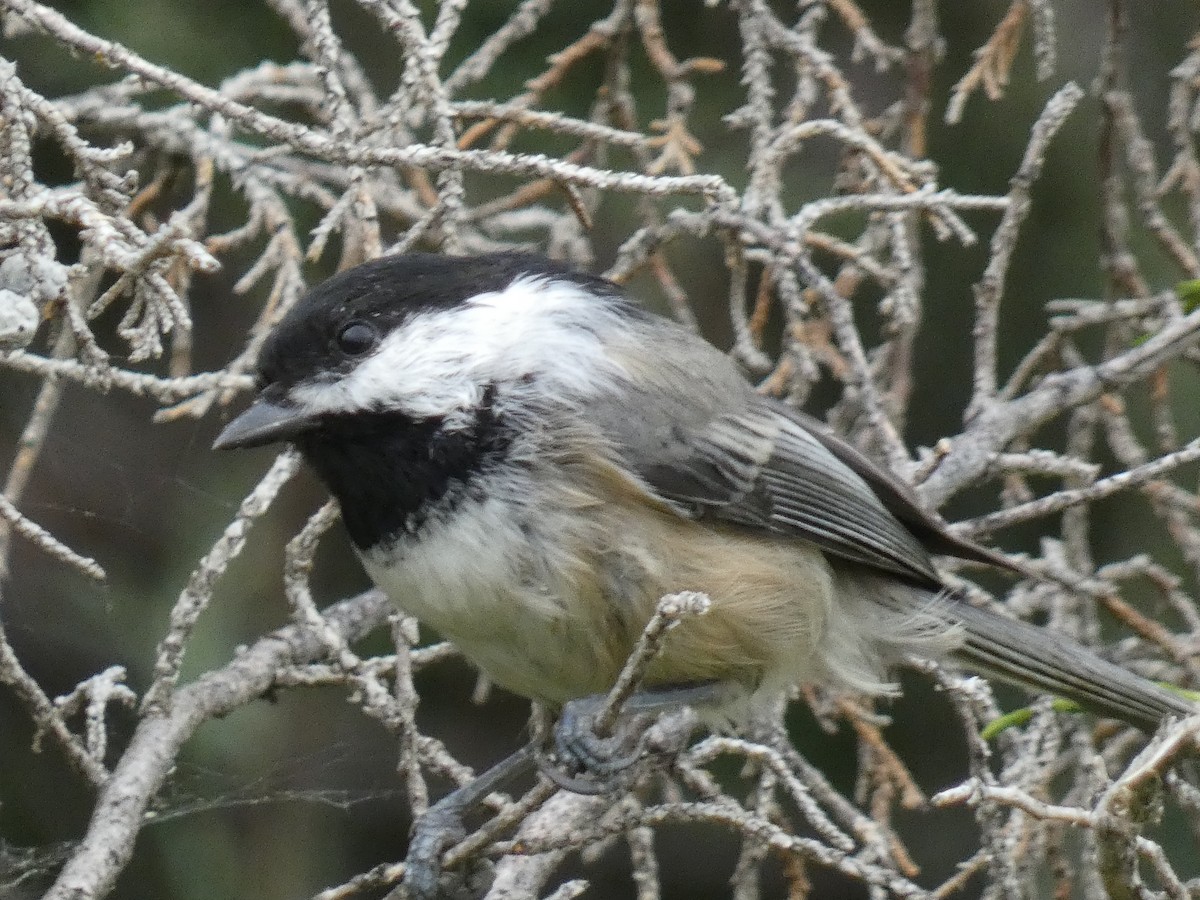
[
  {"x": 382, "y": 382},
  {"x": 439, "y": 363}
]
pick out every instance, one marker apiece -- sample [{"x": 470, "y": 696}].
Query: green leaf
[
  {"x": 1188, "y": 293},
  {"x": 1021, "y": 716}
]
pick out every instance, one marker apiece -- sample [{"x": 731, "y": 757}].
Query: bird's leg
[
  {"x": 599, "y": 758},
  {"x": 601, "y": 755},
  {"x": 441, "y": 826}
]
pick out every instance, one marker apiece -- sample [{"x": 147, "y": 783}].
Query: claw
[
  {"x": 584, "y": 784},
  {"x": 602, "y": 759},
  {"x": 441, "y": 827},
  {"x": 589, "y": 763}
]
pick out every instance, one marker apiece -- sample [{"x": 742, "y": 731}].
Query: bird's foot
[
  {"x": 589, "y": 762},
  {"x": 435, "y": 832},
  {"x": 441, "y": 827},
  {"x": 586, "y": 761}
]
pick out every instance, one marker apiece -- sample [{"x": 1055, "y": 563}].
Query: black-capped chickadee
[{"x": 527, "y": 462}]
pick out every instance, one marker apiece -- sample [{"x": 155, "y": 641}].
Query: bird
[{"x": 526, "y": 460}]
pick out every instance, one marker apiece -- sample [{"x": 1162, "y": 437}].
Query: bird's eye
[{"x": 356, "y": 338}]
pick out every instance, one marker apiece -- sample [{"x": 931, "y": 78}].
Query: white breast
[{"x": 491, "y": 582}]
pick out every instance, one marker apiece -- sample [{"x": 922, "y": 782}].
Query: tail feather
[{"x": 1033, "y": 657}]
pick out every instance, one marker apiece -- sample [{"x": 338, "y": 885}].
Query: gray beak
[{"x": 265, "y": 422}]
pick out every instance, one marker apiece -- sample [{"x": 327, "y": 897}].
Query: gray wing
[
  {"x": 765, "y": 468},
  {"x": 899, "y": 498}
]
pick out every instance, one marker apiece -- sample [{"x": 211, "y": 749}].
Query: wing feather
[{"x": 762, "y": 467}]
